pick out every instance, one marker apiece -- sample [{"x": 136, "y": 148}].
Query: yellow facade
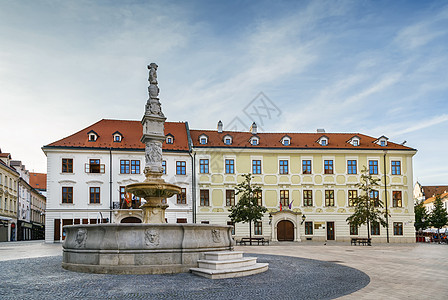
[{"x": 320, "y": 213}]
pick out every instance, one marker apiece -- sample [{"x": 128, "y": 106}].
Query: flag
[
  {"x": 290, "y": 204},
  {"x": 280, "y": 206},
  {"x": 128, "y": 199}
]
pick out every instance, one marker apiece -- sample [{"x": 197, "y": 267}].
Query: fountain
[{"x": 152, "y": 247}]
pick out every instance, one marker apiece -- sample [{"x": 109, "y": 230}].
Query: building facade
[
  {"x": 87, "y": 173},
  {"x": 307, "y": 181},
  {"x": 9, "y": 178}
]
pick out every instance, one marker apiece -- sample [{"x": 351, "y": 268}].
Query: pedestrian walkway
[{"x": 396, "y": 271}]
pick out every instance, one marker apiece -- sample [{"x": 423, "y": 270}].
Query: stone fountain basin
[
  {"x": 141, "y": 248},
  {"x": 147, "y": 189}
]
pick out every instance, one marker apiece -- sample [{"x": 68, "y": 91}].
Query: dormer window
[
  {"x": 203, "y": 139},
  {"x": 117, "y": 137},
  {"x": 286, "y": 140},
  {"x": 354, "y": 141},
  {"x": 93, "y": 136},
  {"x": 227, "y": 140},
  {"x": 169, "y": 139},
  {"x": 254, "y": 141},
  {"x": 323, "y": 140},
  {"x": 382, "y": 141}
]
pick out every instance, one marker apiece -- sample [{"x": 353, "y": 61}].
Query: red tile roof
[
  {"x": 298, "y": 140},
  {"x": 38, "y": 181},
  {"x": 131, "y": 131},
  {"x": 433, "y": 190},
  {"x": 432, "y": 199}
]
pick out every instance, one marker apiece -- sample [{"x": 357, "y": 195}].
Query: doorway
[
  {"x": 285, "y": 231},
  {"x": 131, "y": 220},
  {"x": 330, "y": 231}
]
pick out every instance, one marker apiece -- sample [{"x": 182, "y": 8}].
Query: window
[
  {"x": 375, "y": 198},
  {"x": 353, "y": 229},
  {"x": 94, "y": 195},
  {"x": 123, "y": 202},
  {"x": 181, "y": 168},
  {"x": 228, "y": 141},
  {"x": 230, "y": 166},
  {"x": 329, "y": 198},
  {"x": 259, "y": 196},
  {"x": 67, "y": 165},
  {"x": 230, "y": 197},
  {"x": 323, "y": 142},
  {"x": 286, "y": 141},
  {"x": 328, "y": 166},
  {"x": 135, "y": 167},
  {"x": 284, "y": 197},
  {"x": 307, "y": 198},
  {"x": 203, "y": 166},
  {"x": 181, "y": 220},
  {"x": 124, "y": 167},
  {"x": 398, "y": 228},
  {"x": 396, "y": 167},
  {"x": 256, "y": 167},
  {"x": 375, "y": 228},
  {"x": 258, "y": 228},
  {"x": 182, "y": 197},
  {"x": 352, "y": 195},
  {"x": 230, "y": 223},
  {"x": 203, "y": 140},
  {"x": 397, "y": 199},
  {"x": 351, "y": 166},
  {"x": 117, "y": 138},
  {"x": 205, "y": 222},
  {"x": 254, "y": 142},
  {"x": 94, "y": 166},
  {"x": 169, "y": 140},
  {"x": 383, "y": 143},
  {"x": 67, "y": 194},
  {"x": 308, "y": 228},
  {"x": 355, "y": 143},
  {"x": 306, "y": 166},
  {"x": 164, "y": 166},
  {"x": 92, "y": 137},
  {"x": 204, "y": 199},
  {"x": 373, "y": 167},
  {"x": 283, "y": 167}
]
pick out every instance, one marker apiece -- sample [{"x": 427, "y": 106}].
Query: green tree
[
  {"x": 421, "y": 216},
  {"x": 367, "y": 209},
  {"x": 247, "y": 209},
  {"x": 438, "y": 217}
]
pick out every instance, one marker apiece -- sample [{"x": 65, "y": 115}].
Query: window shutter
[
  {"x": 87, "y": 167},
  {"x": 102, "y": 168}
]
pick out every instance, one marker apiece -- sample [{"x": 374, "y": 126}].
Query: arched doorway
[
  {"x": 131, "y": 220},
  {"x": 285, "y": 231}
]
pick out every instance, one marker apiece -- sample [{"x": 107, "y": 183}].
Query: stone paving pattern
[
  {"x": 293, "y": 278},
  {"x": 396, "y": 271}
]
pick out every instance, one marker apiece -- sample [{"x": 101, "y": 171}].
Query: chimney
[
  {"x": 320, "y": 130},
  {"x": 253, "y": 128},
  {"x": 219, "y": 126}
]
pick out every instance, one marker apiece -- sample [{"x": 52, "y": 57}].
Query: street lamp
[
  {"x": 270, "y": 218},
  {"x": 303, "y": 219}
]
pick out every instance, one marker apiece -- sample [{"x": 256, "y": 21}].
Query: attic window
[
  {"x": 228, "y": 140},
  {"x": 92, "y": 137},
  {"x": 383, "y": 143},
  {"x": 254, "y": 141},
  {"x": 203, "y": 139},
  {"x": 117, "y": 138},
  {"x": 323, "y": 142},
  {"x": 285, "y": 142},
  {"x": 355, "y": 143},
  {"x": 169, "y": 140}
]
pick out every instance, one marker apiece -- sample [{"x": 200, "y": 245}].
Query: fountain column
[{"x": 153, "y": 189}]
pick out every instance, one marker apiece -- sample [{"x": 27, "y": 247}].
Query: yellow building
[
  {"x": 312, "y": 175},
  {"x": 8, "y": 199}
]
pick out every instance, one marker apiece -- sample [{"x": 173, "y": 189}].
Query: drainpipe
[
  {"x": 193, "y": 170},
  {"x": 110, "y": 185},
  {"x": 385, "y": 193}
]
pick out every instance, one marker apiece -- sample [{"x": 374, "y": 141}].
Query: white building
[{"x": 87, "y": 173}]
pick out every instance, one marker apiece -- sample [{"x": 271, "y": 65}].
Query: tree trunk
[
  {"x": 250, "y": 233},
  {"x": 368, "y": 228}
]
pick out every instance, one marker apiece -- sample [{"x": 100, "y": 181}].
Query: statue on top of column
[{"x": 153, "y": 89}]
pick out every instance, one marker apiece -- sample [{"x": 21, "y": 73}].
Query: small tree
[
  {"x": 421, "y": 216},
  {"x": 247, "y": 208},
  {"x": 367, "y": 210},
  {"x": 438, "y": 217}
]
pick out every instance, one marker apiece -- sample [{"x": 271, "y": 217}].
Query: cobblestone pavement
[
  {"x": 396, "y": 271},
  {"x": 290, "y": 277}
]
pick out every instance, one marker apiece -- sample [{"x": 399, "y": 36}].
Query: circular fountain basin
[{"x": 141, "y": 248}]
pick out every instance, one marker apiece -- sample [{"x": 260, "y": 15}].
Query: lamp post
[
  {"x": 303, "y": 219},
  {"x": 270, "y": 219}
]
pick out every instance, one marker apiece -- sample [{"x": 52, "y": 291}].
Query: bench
[
  {"x": 361, "y": 241},
  {"x": 255, "y": 240}
]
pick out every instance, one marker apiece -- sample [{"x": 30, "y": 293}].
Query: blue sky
[{"x": 374, "y": 67}]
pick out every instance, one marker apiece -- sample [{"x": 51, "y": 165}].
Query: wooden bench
[
  {"x": 255, "y": 240},
  {"x": 361, "y": 241}
]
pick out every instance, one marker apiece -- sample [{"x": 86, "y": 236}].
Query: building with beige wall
[
  {"x": 313, "y": 176},
  {"x": 9, "y": 178}
]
